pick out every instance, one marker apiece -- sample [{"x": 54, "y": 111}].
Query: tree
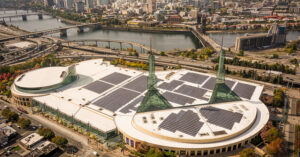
[
  {"x": 5, "y": 112},
  {"x": 162, "y": 53},
  {"x": 24, "y": 123},
  {"x": 60, "y": 141},
  {"x": 275, "y": 146},
  {"x": 278, "y": 99},
  {"x": 272, "y": 134},
  {"x": 154, "y": 153},
  {"x": 240, "y": 53},
  {"x": 264, "y": 131},
  {"x": 47, "y": 133},
  {"x": 13, "y": 116},
  {"x": 294, "y": 62},
  {"x": 247, "y": 152},
  {"x": 1, "y": 58}
]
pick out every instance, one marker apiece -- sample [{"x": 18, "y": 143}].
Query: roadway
[{"x": 184, "y": 62}]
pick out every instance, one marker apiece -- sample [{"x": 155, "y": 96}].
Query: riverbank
[
  {"x": 146, "y": 29},
  {"x": 243, "y": 31}
]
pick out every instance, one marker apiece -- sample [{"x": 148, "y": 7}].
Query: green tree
[
  {"x": 47, "y": 133},
  {"x": 275, "y": 56},
  {"x": 60, "y": 141},
  {"x": 162, "y": 53},
  {"x": 247, "y": 152},
  {"x": 13, "y": 116},
  {"x": 1, "y": 58},
  {"x": 278, "y": 99},
  {"x": 272, "y": 134},
  {"x": 154, "y": 153},
  {"x": 294, "y": 62},
  {"x": 240, "y": 53},
  {"x": 24, "y": 123},
  {"x": 5, "y": 112}
]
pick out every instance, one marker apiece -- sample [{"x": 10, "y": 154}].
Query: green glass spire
[
  {"x": 152, "y": 80},
  {"x": 221, "y": 92},
  {"x": 153, "y": 100}
]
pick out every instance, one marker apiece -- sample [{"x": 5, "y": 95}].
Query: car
[{"x": 18, "y": 126}]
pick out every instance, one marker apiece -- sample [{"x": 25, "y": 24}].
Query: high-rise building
[
  {"x": 48, "y": 3},
  {"x": 102, "y": 2},
  {"x": 68, "y": 4},
  {"x": 59, "y": 3},
  {"x": 89, "y": 4},
  {"x": 79, "y": 7},
  {"x": 151, "y": 5}
]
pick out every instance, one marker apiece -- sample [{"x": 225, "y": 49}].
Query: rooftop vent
[
  {"x": 204, "y": 134},
  {"x": 217, "y": 133}
]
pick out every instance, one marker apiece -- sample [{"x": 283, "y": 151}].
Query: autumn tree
[{"x": 275, "y": 146}]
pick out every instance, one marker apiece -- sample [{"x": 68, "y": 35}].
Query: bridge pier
[
  {"x": 120, "y": 46},
  {"x": 63, "y": 32},
  {"x": 80, "y": 29},
  {"x": 108, "y": 44},
  {"x": 96, "y": 26},
  {"x": 40, "y": 16},
  {"x": 131, "y": 46},
  {"x": 24, "y": 17},
  {"x": 9, "y": 19}
]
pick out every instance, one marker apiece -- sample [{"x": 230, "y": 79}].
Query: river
[{"x": 160, "y": 41}]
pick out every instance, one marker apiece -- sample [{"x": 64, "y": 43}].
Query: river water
[{"x": 160, "y": 41}]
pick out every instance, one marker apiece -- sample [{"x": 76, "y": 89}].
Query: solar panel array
[
  {"x": 115, "y": 100},
  {"x": 170, "y": 86},
  {"x": 194, "y": 78},
  {"x": 131, "y": 106},
  {"x": 178, "y": 99},
  {"x": 139, "y": 84},
  {"x": 98, "y": 87},
  {"x": 191, "y": 91},
  {"x": 210, "y": 84},
  {"x": 220, "y": 117},
  {"x": 115, "y": 78},
  {"x": 244, "y": 90},
  {"x": 187, "y": 122}
]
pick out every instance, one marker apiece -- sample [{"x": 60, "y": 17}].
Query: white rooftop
[
  {"x": 96, "y": 96},
  {"x": 42, "y": 77},
  {"x": 125, "y": 123}
]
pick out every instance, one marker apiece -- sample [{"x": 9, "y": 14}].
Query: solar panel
[
  {"x": 220, "y": 117},
  {"x": 194, "y": 78},
  {"x": 116, "y": 99},
  {"x": 115, "y": 78},
  {"x": 131, "y": 106},
  {"x": 191, "y": 91},
  {"x": 98, "y": 87},
  {"x": 170, "y": 86},
  {"x": 139, "y": 84},
  {"x": 211, "y": 83},
  {"x": 244, "y": 90},
  {"x": 187, "y": 122},
  {"x": 178, "y": 99}
]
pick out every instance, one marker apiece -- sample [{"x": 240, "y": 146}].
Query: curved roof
[
  {"x": 41, "y": 78},
  {"x": 210, "y": 135}
]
